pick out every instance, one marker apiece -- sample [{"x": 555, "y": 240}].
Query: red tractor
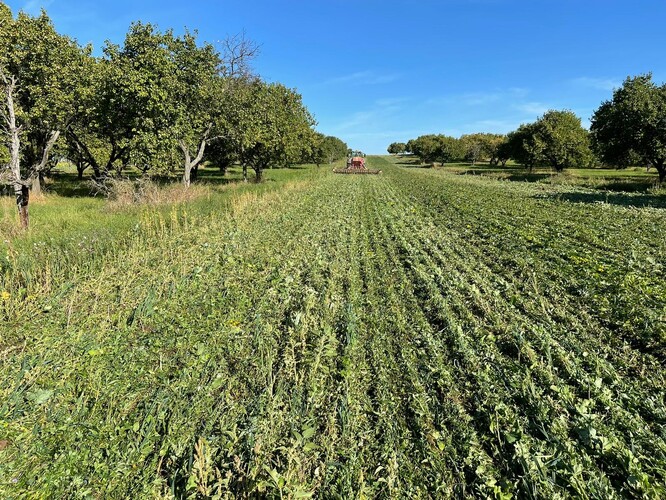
[
  {"x": 356, "y": 162},
  {"x": 356, "y": 165}
]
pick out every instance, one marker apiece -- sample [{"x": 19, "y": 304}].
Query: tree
[
  {"x": 493, "y": 143},
  {"x": 562, "y": 141},
  {"x": 38, "y": 69},
  {"x": 633, "y": 124},
  {"x": 521, "y": 146},
  {"x": 267, "y": 125},
  {"x": 474, "y": 147},
  {"x": 396, "y": 148},
  {"x": 122, "y": 110},
  {"x": 202, "y": 77},
  {"x": 196, "y": 95},
  {"x": 556, "y": 139},
  {"x": 503, "y": 152},
  {"x": 331, "y": 149},
  {"x": 425, "y": 147},
  {"x": 221, "y": 153},
  {"x": 436, "y": 148},
  {"x": 238, "y": 51},
  {"x": 155, "y": 97},
  {"x": 450, "y": 149}
]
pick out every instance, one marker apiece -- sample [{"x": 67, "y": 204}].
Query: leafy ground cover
[
  {"x": 414, "y": 334},
  {"x": 633, "y": 179}
]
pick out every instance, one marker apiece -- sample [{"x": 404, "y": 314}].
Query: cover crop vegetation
[{"x": 412, "y": 334}]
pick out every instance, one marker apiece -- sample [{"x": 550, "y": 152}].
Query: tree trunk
[
  {"x": 83, "y": 150},
  {"x": 244, "y": 172},
  {"x": 20, "y": 190},
  {"x": 187, "y": 169},
  {"x": 38, "y": 170},
  {"x": 117, "y": 154},
  {"x": 22, "y": 199},
  {"x": 258, "y": 172},
  {"x": 661, "y": 169},
  {"x": 36, "y": 187},
  {"x": 189, "y": 163},
  {"x": 80, "y": 168}
]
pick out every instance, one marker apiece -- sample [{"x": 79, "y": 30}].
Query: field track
[{"x": 412, "y": 334}]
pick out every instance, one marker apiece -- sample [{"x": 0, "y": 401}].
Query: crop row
[{"x": 414, "y": 334}]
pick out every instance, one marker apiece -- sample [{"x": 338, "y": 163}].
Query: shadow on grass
[
  {"x": 413, "y": 164},
  {"x": 527, "y": 177},
  {"x": 623, "y": 184},
  {"x": 68, "y": 185},
  {"x": 629, "y": 186},
  {"x": 636, "y": 200}
]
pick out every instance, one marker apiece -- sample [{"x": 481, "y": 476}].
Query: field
[
  {"x": 416, "y": 334},
  {"x": 632, "y": 179}
]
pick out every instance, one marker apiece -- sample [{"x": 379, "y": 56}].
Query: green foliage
[
  {"x": 46, "y": 67},
  {"x": 521, "y": 146},
  {"x": 441, "y": 148},
  {"x": 631, "y": 126},
  {"x": 121, "y": 115},
  {"x": 328, "y": 149},
  {"x": 4, "y": 155},
  {"x": 436, "y": 148},
  {"x": 556, "y": 139},
  {"x": 396, "y": 148},
  {"x": 481, "y": 146},
  {"x": 221, "y": 153},
  {"x": 267, "y": 124},
  {"x": 562, "y": 141},
  {"x": 153, "y": 102}
]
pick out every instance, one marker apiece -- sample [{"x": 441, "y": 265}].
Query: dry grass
[{"x": 125, "y": 193}]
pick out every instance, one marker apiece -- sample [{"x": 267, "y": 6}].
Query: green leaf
[
  {"x": 40, "y": 396},
  {"x": 308, "y": 433}
]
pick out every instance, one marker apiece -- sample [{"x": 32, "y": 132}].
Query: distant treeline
[
  {"x": 158, "y": 103},
  {"x": 629, "y": 129}
]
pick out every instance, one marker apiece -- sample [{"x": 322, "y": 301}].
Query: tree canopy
[
  {"x": 395, "y": 148},
  {"x": 632, "y": 125},
  {"x": 267, "y": 124},
  {"x": 328, "y": 149},
  {"x": 561, "y": 140},
  {"x": 435, "y": 148},
  {"x": 556, "y": 139},
  {"x": 481, "y": 146},
  {"x": 39, "y": 71},
  {"x": 154, "y": 102}
]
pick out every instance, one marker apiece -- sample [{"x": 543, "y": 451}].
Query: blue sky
[{"x": 373, "y": 72}]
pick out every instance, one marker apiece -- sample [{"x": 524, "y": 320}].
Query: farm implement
[{"x": 356, "y": 164}]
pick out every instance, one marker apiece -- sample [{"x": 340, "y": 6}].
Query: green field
[
  {"x": 632, "y": 179},
  {"x": 420, "y": 333}
]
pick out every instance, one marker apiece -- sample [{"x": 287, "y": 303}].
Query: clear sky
[{"x": 373, "y": 72}]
